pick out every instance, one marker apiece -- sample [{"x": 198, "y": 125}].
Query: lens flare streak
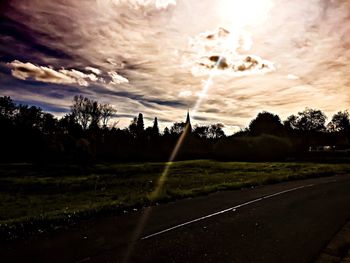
[{"x": 162, "y": 179}]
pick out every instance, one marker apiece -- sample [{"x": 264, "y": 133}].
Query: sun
[{"x": 238, "y": 14}]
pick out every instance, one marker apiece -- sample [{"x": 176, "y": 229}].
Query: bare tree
[
  {"x": 96, "y": 114},
  {"x": 107, "y": 112},
  {"x": 89, "y": 113},
  {"x": 81, "y": 110}
]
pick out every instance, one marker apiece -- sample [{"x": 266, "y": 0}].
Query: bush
[{"x": 260, "y": 148}]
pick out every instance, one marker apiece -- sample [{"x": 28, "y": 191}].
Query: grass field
[{"x": 30, "y": 193}]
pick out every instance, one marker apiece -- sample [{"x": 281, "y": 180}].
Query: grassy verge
[{"x": 41, "y": 197}]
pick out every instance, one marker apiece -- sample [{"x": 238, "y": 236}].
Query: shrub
[{"x": 260, "y": 148}]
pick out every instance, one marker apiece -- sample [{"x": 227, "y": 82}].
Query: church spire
[{"x": 188, "y": 121}]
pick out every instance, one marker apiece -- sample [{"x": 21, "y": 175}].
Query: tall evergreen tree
[
  {"x": 140, "y": 125},
  {"x": 155, "y": 128}
]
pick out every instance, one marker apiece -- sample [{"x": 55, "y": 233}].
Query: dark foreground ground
[
  {"x": 292, "y": 226},
  {"x": 37, "y": 198}
]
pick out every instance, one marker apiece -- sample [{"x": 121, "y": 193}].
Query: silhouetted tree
[
  {"x": 267, "y": 123},
  {"x": 133, "y": 127},
  {"x": 107, "y": 112},
  {"x": 28, "y": 133},
  {"x": 81, "y": 110},
  {"x": 255, "y": 148},
  {"x": 49, "y": 123},
  {"x": 155, "y": 128},
  {"x": 29, "y": 117},
  {"x": 201, "y": 131},
  {"x": 291, "y": 122},
  {"x": 177, "y": 128},
  {"x": 241, "y": 133},
  {"x": 149, "y": 132},
  {"x": 308, "y": 120},
  {"x": 7, "y": 107},
  {"x": 96, "y": 114},
  {"x": 215, "y": 131},
  {"x": 139, "y": 124},
  {"x": 89, "y": 113},
  {"x": 340, "y": 122},
  {"x": 68, "y": 125},
  {"x": 166, "y": 132}
]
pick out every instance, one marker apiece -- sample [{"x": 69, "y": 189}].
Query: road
[{"x": 287, "y": 222}]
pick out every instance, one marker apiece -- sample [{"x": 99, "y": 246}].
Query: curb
[{"x": 338, "y": 249}]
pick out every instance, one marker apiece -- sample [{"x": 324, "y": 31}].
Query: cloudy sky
[{"x": 225, "y": 60}]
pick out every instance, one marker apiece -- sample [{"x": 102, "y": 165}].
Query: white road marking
[{"x": 225, "y": 211}]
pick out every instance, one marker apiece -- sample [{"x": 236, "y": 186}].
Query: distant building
[{"x": 322, "y": 148}]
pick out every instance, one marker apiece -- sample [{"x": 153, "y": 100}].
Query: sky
[{"x": 224, "y": 60}]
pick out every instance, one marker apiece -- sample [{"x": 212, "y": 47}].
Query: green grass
[{"x": 30, "y": 193}]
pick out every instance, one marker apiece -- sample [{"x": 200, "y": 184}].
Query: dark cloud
[
  {"x": 45, "y": 106},
  {"x": 211, "y": 110},
  {"x": 147, "y": 101},
  {"x": 242, "y": 64},
  {"x": 24, "y": 44},
  {"x": 199, "y": 118}
]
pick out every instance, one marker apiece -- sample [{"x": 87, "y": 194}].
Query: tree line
[{"x": 85, "y": 134}]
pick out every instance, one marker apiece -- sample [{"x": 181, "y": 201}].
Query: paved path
[{"x": 288, "y": 222}]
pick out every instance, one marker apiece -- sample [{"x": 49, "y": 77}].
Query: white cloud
[
  {"x": 159, "y": 4},
  {"x": 28, "y": 70},
  {"x": 219, "y": 50},
  {"x": 292, "y": 77},
  {"x": 117, "y": 79},
  {"x": 164, "y": 3},
  {"x": 96, "y": 71},
  {"x": 185, "y": 93}
]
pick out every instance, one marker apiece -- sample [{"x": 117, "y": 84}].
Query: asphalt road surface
[{"x": 288, "y": 222}]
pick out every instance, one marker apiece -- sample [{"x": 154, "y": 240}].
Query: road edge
[{"x": 338, "y": 249}]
